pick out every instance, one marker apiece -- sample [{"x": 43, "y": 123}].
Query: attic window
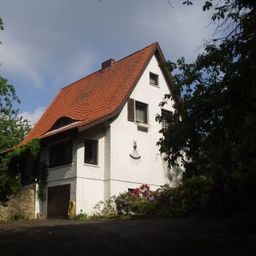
[
  {"x": 63, "y": 121},
  {"x": 153, "y": 79}
]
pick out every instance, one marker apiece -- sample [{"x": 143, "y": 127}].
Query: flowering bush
[
  {"x": 193, "y": 197},
  {"x": 140, "y": 201}
]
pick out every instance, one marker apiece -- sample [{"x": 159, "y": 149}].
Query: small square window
[
  {"x": 141, "y": 112},
  {"x": 91, "y": 151},
  {"x": 153, "y": 79},
  {"x": 166, "y": 118}
]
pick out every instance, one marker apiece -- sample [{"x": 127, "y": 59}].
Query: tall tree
[
  {"x": 13, "y": 128},
  {"x": 213, "y": 131}
]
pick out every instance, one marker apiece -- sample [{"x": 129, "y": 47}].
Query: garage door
[{"x": 58, "y": 201}]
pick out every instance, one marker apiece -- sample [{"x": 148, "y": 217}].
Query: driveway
[{"x": 128, "y": 237}]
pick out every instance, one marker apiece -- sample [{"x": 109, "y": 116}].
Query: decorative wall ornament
[{"x": 135, "y": 154}]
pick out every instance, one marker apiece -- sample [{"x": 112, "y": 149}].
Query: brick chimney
[{"x": 107, "y": 63}]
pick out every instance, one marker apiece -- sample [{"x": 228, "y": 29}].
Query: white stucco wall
[
  {"x": 125, "y": 171},
  {"x": 90, "y": 178}
]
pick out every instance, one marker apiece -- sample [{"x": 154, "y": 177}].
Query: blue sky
[{"x": 47, "y": 44}]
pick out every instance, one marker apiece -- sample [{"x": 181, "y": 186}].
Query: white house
[{"x": 99, "y": 134}]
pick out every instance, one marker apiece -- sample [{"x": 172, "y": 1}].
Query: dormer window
[
  {"x": 63, "y": 121},
  {"x": 153, "y": 79}
]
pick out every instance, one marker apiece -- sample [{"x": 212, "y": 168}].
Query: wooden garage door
[{"x": 58, "y": 201}]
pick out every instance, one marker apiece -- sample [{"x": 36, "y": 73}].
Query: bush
[
  {"x": 194, "y": 196},
  {"x": 123, "y": 203},
  {"x": 138, "y": 202},
  {"x": 142, "y": 207},
  {"x": 82, "y": 216},
  {"x": 105, "y": 209}
]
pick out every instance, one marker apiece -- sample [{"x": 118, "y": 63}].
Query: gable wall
[{"x": 125, "y": 171}]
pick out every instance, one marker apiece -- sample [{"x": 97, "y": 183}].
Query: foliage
[
  {"x": 105, "y": 209},
  {"x": 213, "y": 131},
  {"x": 42, "y": 181},
  {"x": 123, "y": 203},
  {"x": 139, "y": 202},
  {"x": 9, "y": 185},
  {"x": 13, "y": 127},
  {"x": 11, "y": 168},
  {"x": 194, "y": 196},
  {"x": 82, "y": 216}
]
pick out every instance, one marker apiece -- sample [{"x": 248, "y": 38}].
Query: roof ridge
[{"x": 155, "y": 43}]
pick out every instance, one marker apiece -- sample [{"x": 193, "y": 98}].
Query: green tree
[
  {"x": 13, "y": 128},
  {"x": 213, "y": 129}
]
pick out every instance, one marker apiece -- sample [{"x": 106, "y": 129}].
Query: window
[
  {"x": 166, "y": 117},
  {"x": 91, "y": 151},
  {"x": 63, "y": 121},
  {"x": 61, "y": 154},
  {"x": 141, "y": 112},
  {"x": 153, "y": 79}
]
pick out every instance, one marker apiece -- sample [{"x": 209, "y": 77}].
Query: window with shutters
[
  {"x": 91, "y": 151},
  {"x": 137, "y": 112}
]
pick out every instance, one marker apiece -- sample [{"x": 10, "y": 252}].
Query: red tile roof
[{"x": 96, "y": 97}]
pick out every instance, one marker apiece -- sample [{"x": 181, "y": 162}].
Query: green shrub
[
  {"x": 142, "y": 207},
  {"x": 105, "y": 209},
  {"x": 192, "y": 197},
  {"x": 140, "y": 202},
  {"x": 123, "y": 203},
  {"x": 82, "y": 216},
  {"x": 195, "y": 196}
]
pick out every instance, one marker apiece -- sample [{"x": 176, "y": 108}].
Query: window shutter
[{"x": 130, "y": 110}]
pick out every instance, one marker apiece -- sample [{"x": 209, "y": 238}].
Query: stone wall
[{"x": 22, "y": 205}]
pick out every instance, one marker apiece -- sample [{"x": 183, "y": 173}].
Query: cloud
[
  {"x": 49, "y": 44},
  {"x": 16, "y": 59},
  {"x": 33, "y": 116}
]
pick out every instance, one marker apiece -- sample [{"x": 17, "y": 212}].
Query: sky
[{"x": 48, "y": 44}]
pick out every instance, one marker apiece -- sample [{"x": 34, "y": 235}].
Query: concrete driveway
[{"x": 128, "y": 237}]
